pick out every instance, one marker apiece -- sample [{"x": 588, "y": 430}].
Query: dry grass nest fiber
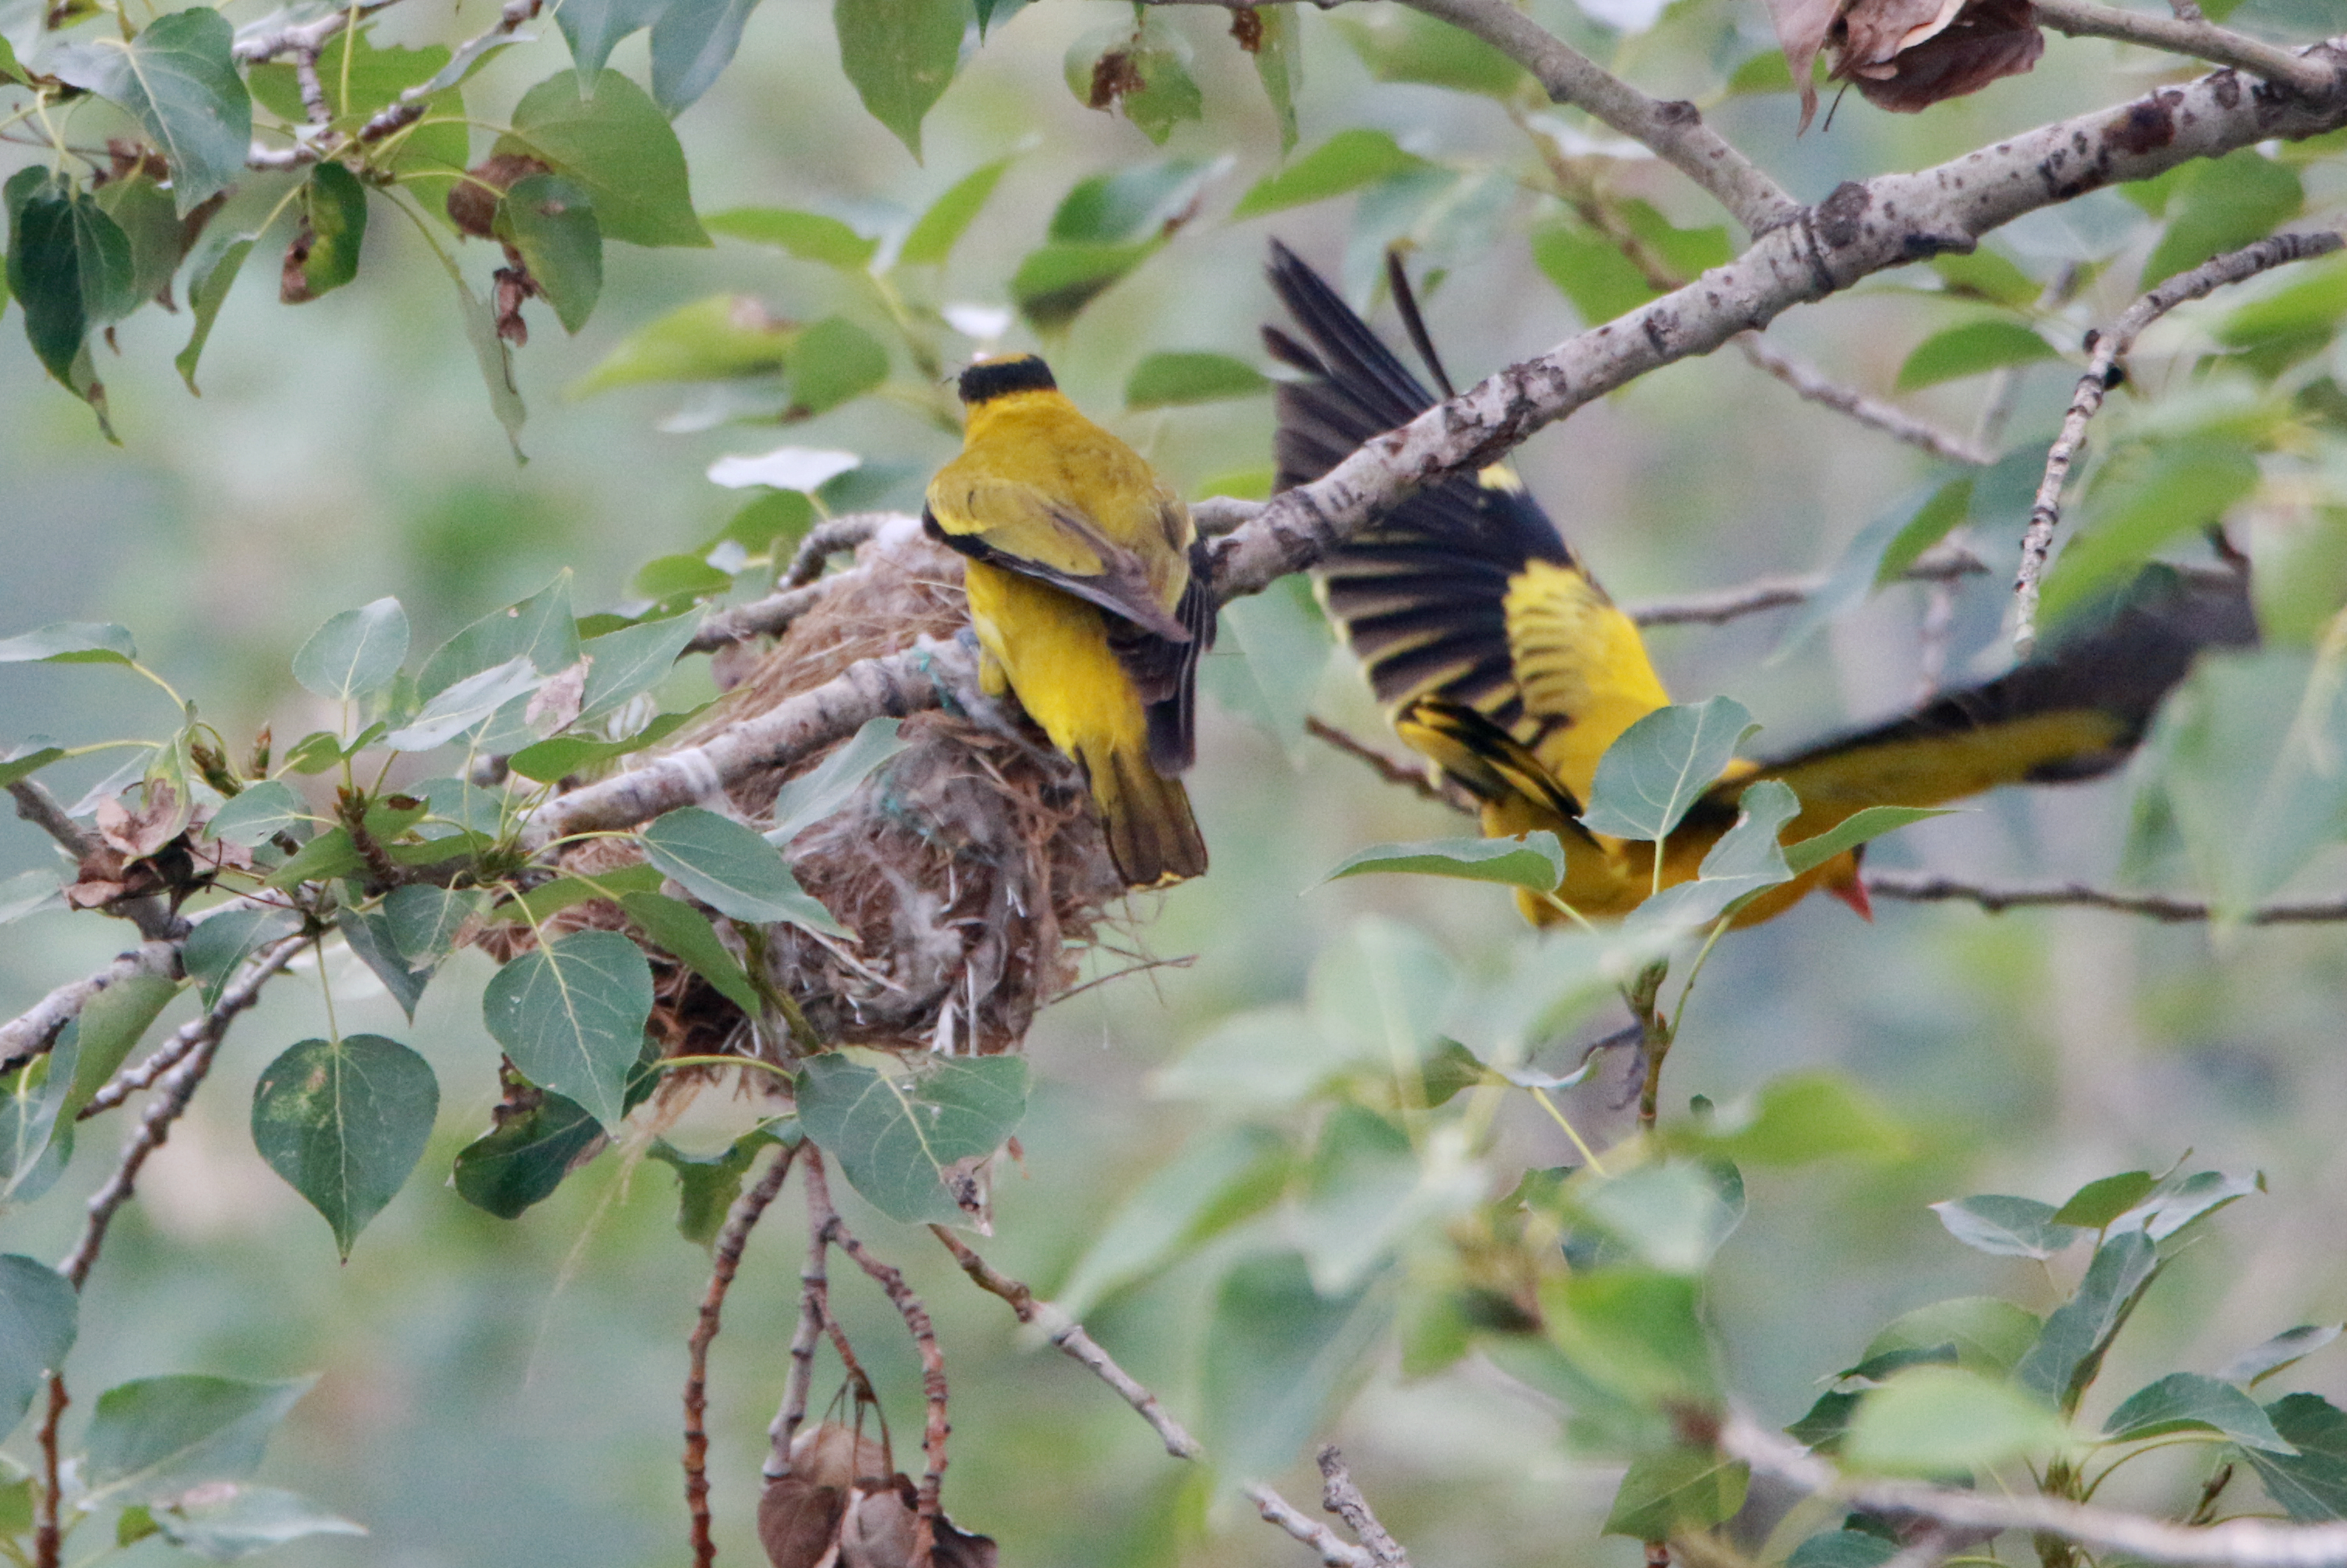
[{"x": 967, "y": 870}]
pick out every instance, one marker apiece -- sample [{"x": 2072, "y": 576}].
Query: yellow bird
[
  {"x": 1501, "y": 661},
  {"x": 1089, "y": 600}
]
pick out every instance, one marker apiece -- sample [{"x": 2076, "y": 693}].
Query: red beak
[{"x": 1853, "y": 893}]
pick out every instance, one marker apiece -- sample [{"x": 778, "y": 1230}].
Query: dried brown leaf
[
  {"x": 555, "y": 704},
  {"x": 798, "y": 1522},
  {"x": 139, "y": 832},
  {"x": 1961, "y": 50}
]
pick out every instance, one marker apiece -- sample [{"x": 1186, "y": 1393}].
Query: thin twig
[
  {"x": 35, "y": 1030},
  {"x": 314, "y": 91},
  {"x": 833, "y": 535},
  {"x": 2106, "y": 351},
  {"x": 245, "y": 989},
  {"x": 1916, "y": 888},
  {"x": 1341, "y": 1497},
  {"x": 1069, "y": 1336},
  {"x": 1812, "y": 384},
  {"x": 1393, "y": 769},
  {"x": 908, "y": 1306},
  {"x": 1943, "y": 563},
  {"x": 726, "y": 1260},
  {"x": 399, "y": 114},
  {"x": 1334, "y": 1553},
  {"x": 49, "y": 1540},
  {"x": 815, "y": 1308},
  {"x": 2235, "y": 1544},
  {"x": 760, "y": 617},
  {"x": 2198, "y": 39},
  {"x": 307, "y": 38}
]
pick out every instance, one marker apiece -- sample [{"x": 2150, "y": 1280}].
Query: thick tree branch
[
  {"x": 725, "y": 1260},
  {"x": 1861, "y": 229},
  {"x": 2236, "y": 1543},
  {"x": 1069, "y": 1336},
  {"x": 829, "y": 538},
  {"x": 2107, "y": 350},
  {"x": 34, "y": 1030},
  {"x": 2195, "y": 38},
  {"x": 1916, "y": 888},
  {"x": 1870, "y": 412}
]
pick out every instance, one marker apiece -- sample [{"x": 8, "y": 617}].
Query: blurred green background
[{"x": 496, "y": 1392}]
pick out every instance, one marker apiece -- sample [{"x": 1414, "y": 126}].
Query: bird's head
[{"x": 991, "y": 378}]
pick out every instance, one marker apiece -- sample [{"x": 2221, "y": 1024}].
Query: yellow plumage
[
  {"x": 1506, "y": 666},
  {"x": 1084, "y": 599}
]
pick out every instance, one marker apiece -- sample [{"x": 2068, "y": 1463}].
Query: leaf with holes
[{"x": 904, "y": 1143}]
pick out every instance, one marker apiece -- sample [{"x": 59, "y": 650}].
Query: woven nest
[{"x": 969, "y": 869}]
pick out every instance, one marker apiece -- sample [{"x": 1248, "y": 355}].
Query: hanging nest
[{"x": 969, "y": 869}]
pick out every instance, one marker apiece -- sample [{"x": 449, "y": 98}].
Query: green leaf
[
  {"x": 1402, "y": 46},
  {"x": 831, "y": 362},
  {"x": 707, "y": 1184},
  {"x": 616, "y": 144},
  {"x": 343, "y": 1122},
  {"x": 229, "y": 1520},
  {"x": 333, "y": 205},
  {"x": 1053, "y": 285},
  {"x": 931, "y": 238},
  {"x": 904, "y": 1144},
  {"x": 457, "y": 708},
  {"x": 1858, "y": 827},
  {"x": 540, "y": 629},
  {"x": 35, "y": 1142},
  {"x": 493, "y": 357},
  {"x": 689, "y": 936},
  {"x": 1800, "y": 1117},
  {"x": 208, "y": 287},
  {"x": 2276, "y": 330},
  {"x": 2006, "y": 1226},
  {"x": 368, "y": 933},
  {"x": 630, "y": 661},
  {"x": 1535, "y": 861},
  {"x": 1943, "y": 1421},
  {"x": 39, "y": 1313},
  {"x": 332, "y": 853},
  {"x": 1634, "y": 1333},
  {"x": 423, "y": 921},
  {"x": 1214, "y": 1181},
  {"x": 1745, "y": 860},
  {"x": 2095, "y": 1206},
  {"x": 1131, "y": 204},
  {"x": 2184, "y": 1200},
  {"x": 550, "y": 221},
  {"x": 520, "y": 1161},
  {"x": 1284, "y": 645},
  {"x": 70, "y": 267},
  {"x": 177, "y": 78},
  {"x": 1681, "y": 1488},
  {"x": 550, "y": 759},
  {"x": 1591, "y": 271},
  {"x": 826, "y": 789},
  {"x": 571, "y": 1016},
  {"x": 2287, "y": 1348},
  {"x": 565, "y": 891},
  {"x": 730, "y": 868},
  {"x": 769, "y": 526},
  {"x": 809, "y": 236},
  {"x": 2069, "y": 1352},
  {"x": 217, "y": 948},
  {"x": 723, "y": 336},
  {"x": 355, "y": 654},
  {"x": 29, "y": 892},
  {"x": 1284, "y": 1355},
  {"x": 112, "y": 1022},
  {"x": 359, "y": 78},
  {"x": 2149, "y": 494},
  {"x": 1279, "y": 67},
  {"x": 692, "y": 42},
  {"x": 259, "y": 812},
  {"x": 1839, "y": 1547},
  {"x": 1662, "y": 765},
  {"x": 1669, "y": 1214},
  {"x": 156, "y": 1438},
  {"x": 1917, "y": 518},
  {"x": 594, "y": 27},
  {"x": 2219, "y": 205},
  {"x": 1344, "y": 163},
  {"x": 679, "y": 576},
  {"x": 1142, "y": 64},
  {"x": 900, "y": 55},
  {"x": 1172, "y": 379},
  {"x": 2310, "y": 1484},
  {"x": 1971, "y": 349},
  {"x": 24, "y": 764},
  {"x": 1985, "y": 274},
  {"x": 2183, "y": 1401},
  {"x": 1988, "y": 1336},
  {"x": 151, "y": 224}
]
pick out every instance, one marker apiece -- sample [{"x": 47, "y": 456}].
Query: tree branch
[
  {"x": 760, "y": 617},
  {"x": 1069, "y": 1336},
  {"x": 401, "y": 112},
  {"x": 815, "y": 1307},
  {"x": 1871, "y": 412},
  {"x": 1859, "y": 229},
  {"x": 925, "y": 1341},
  {"x": 1341, "y": 1497},
  {"x": 35, "y": 1030},
  {"x": 739, "y": 1221},
  {"x": 1916, "y": 888},
  {"x": 242, "y": 993},
  {"x": 829, "y": 538},
  {"x": 2195, "y": 38},
  {"x": 35, "y": 804},
  {"x": 2107, "y": 350},
  {"x": 2236, "y": 1543},
  {"x": 1942, "y": 564},
  {"x": 1334, "y": 1551}
]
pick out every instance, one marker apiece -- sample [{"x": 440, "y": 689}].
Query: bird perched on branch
[
  {"x": 1088, "y": 600},
  {"x": 1501, "y": 661}
]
